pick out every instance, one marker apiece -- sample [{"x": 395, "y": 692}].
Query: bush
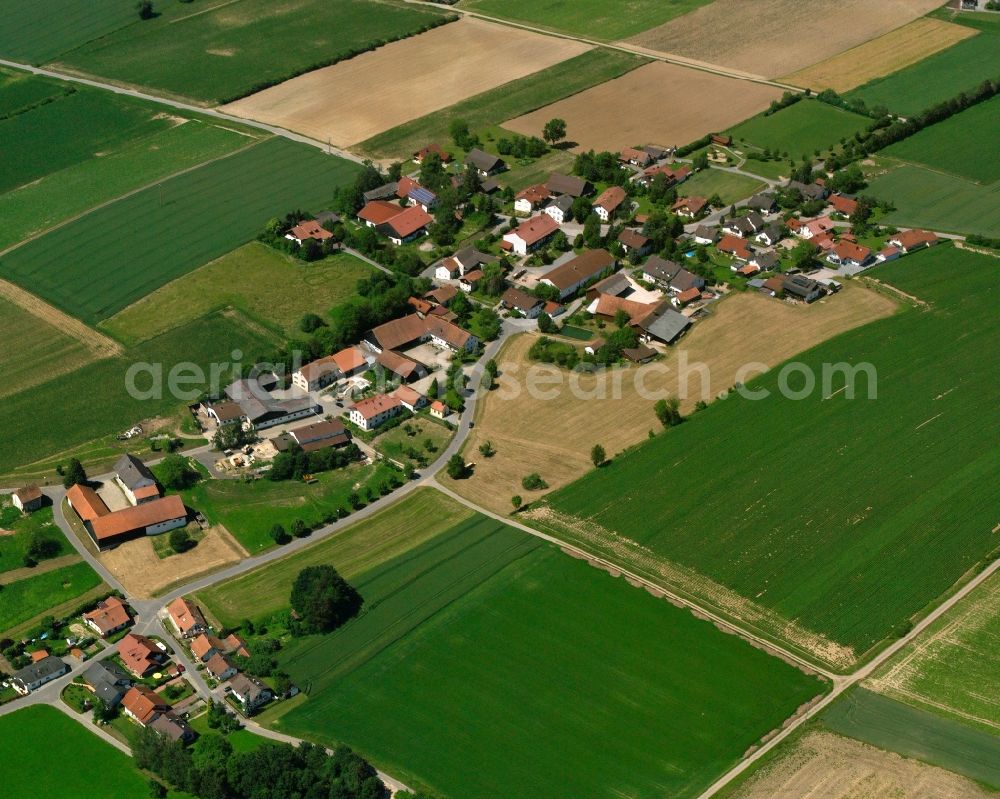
[
  {"x": 180, "y": 541},
  {"x": 323, "y": 600},
  {"x": 533, "y": 482}
]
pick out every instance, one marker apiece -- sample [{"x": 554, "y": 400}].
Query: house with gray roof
[
  {"x": 662, "y": 324},
  {"x": 560, "y": 208},
  {"x": 660, "y": 271},
  {"x": 387, "y": 191},
  {"x": 135, "y": 479},
  {"x": 764, "y": 203},
  {"x": 37, "y": 674},
  {"x": 558, "y": 184},
  {"x": 108, "y": 681},
  {"x": 484, "y": 163}
]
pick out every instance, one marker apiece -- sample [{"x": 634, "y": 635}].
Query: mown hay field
[
  {"x": 841, "y": 517},
  {"x": 605, "y": 118},
  {"x": 374, "y": 92},
  {"x": 484, "y": 641},
  {"x": 881, "y": 56},
  {"x": 229, "y": 49},
  {"x": 787, "y": 35},
  {"x": 100, "y": 263}
]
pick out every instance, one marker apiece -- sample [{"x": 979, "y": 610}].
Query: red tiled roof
[
  {"x": 409, "y": 221},
  {"x": 86, "y": 502},
  {"x": 535, "y": 229},
  {"x": 847, "y": 250},
  {"x": 432, "y": 148},
  {"x": 689, "y": 295},
  {"x": 108, "y": 615},
  {"x": 734, "y": 245},
  {"x": 186, "y": 615},
  {"x": 379, "y": 211},
  {"x": 144, "y": 703},
  {"x": 138, "y": 654},
  {"x": 533, "y": 194},
  {"x": 372, "y": 406},
  {"x": 138, "y": 517},
  {"x": 310, "y": 230},
  {"x": 843, "y": 204},
  {"x": 610, "y": 198},
  {"x": 914, "y": 238},
  {"x": 693, "y": 204}
]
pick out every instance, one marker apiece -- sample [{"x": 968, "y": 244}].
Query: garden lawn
[
  {"x": 250, "y": 510},
  {"x": 94, "y": 401},
  {"x": 796, "y": 527},
  {"x": 12, "y": 547},
  {"x": 29, "y": 36},
  {"x": 241, "y": 740},
  {"x": 355, "y": 550},
  {"x": 924, "y": 198},
  {"x": 940, "y": 77},
  {"x": 966, "y": 145},
  {"x": 799, "y": 129},
  {"x": 504, "y": 102},
  {"x": 396, "y": 443},
  {"x": 729, "y": 186},
  {"x": 115, "y": 255},
  {"x": 219, "y": 54},
  {"x": 268, "y": 286},
  {"x": 591, "y": 18},
  {"x": 486, "y": 646},
  {"x": 24, "y": 599}
]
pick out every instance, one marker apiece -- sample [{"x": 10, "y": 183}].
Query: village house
[
  {"x": 803, "y": 288},
  {"x": 735, "y": 246},
  {"x": 773, "y": 286},
  {"x": 249, "y": 692},
  {"x": 660, "y": 271},
  {"x": 442, "y": 295},
  {"x": 909, "y": 240},
  {"x": 410, "y": 398},
  {"x": 762, "y": 203},
  {"x": 186, "y": 618},
  {"x": 306, "y": 230},
  {"x": 560, "y": 209},
  {"x": 811, "y": 191},
  {"x": 437, "y": 149},
  {"x": 634, "y": 241},
  {"x": 142, "y": 704},
  {"x": 27, "y": 499},
  {"x": 531, "y": 234},
  {"x": 409, "y": 224},
  {"x": 889, "y": 253},
  {"x": 672, "y": 175},
  {"x": 484, "y": 163},
  {"x": 423, "y": 197},
  {"x": 744, "y": 226},
  {"x": 107, "y": 681},
  {"x": 630, "y": 155},
  {"x": 689, "y": 207},
  {"x": 816, "y": 227},
  {"x": 404, "y": 368},
  {"x": 375, "y": 212},
  {"x": 579, "y": 271},
  {"x": 110, "y": 616},
  {"x": 558, "y": 185},
  {"x": 135, "y": 479},
  {"x": 407, "y": 331},
  {"x": 37, "y": 674},
  {"x": 527, "y": 200},
  {"x": 374, "y": 411},
  {"x": 469, "y": 258},
  {"x": 322, "y": 372},
  {"x": 609, "y": 201},
  {"x": 438, "y": 409},
  {"x": 765, "y": 261},
  {"x": 770, "y": 235},
  {"x": 686, "y": 296},
  {"x": 220, "y": 667},
  {"x": 172, "y": 727},
  {"x": 319, "y": 435},
  {"x": 747, "y": 270},
  {"x": 662, "y": 324},
  {"x": 640, "y": 354},
  {"x": 843, "y": 204},
  {"x": 204, "y": 646},
  {"x": 615, "y": 285},
  {"x": 657, "y": 153},
  {"x": 526, "y": 304},
  {"x": 847, "y": 253},
  {"x": 685, "y": 281},
  {"x": 703, "y": 234},
  {"x": 139, "y": 655},
  {"x": 607, "y": 307}
]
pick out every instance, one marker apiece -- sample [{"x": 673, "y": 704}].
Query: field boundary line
[{"x": 26, "y": 572}]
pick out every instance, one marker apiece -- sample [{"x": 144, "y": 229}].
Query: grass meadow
[
  {"x": 845, "y": 516},
  {"x": 100, "y": 263},
  {"x": 268, "y": 286},
  {"x": 965, "y": 145},
  {"x": 504, "y": 102},
  {"x": 220, "y": 53},
  {"x": 937, "y": 78},
  {"x": 728, "y": 186},
  {"x": 12, "y": 547},
  {"x": 799, "y": 129},
  {"x": 26, "y": 598},
  {"x": 916, "y": 733},
  {"x": 483, "y": 642},
  {"x": 590, "y": 18},
  {"x": 28, "y": 36}
]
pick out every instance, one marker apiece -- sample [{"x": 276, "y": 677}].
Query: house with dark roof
[
  {"x": 660, "y": 271},
  {"x": 28, "y": 498},
  {"x": 249, "y": 692},
  {"x": 803, "y": 288},
  {"x": 685, "y": 281},
  {"x": 384, "y": 192},
  {"x": 810, "y": 191},
  {"x": 559, "y": 184},
  {"x": 630, "y": 155},
  {"x": 704, "y": 234},
  {"x": 484, "y": 163},
  {"x": 579, "y": 271},
  {"x": 560, "y": 209},
  {"x": 662, "y": 324},
  {"x": 515, "y": 299},
  {"x": 770, "y": 235},
  {"x": 107, "y": 681},
  {"x": 632, "y": 240},
  {"x": 37, "y": 674},
  {"x": 135, "y": 479},
  {"x": 689, "y": 207},
  {"x": 762, "y": 203}
]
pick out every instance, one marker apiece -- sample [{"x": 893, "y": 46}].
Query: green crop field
[
  {"x": 728, "y": 186},
  {"x": 799, "y": 129},
  {"x": 954, "y": 667},
  {"x": 250, "y": 510},
  {"x": 484, "y": 642},
  {"x": 24, "y": 526},
  {"x": 591, "y": 18},
  {"x": 891, "y": 725},
  {"x": 108, "y": 259},
  {"x": 964, "y": 145},
  {"x": 270, "y": 287},
  {"x": 29, "y": 36},
  {"x": 924, "y": 198},
  {"x": 358, "y": 548},
  {"x": 23, "y": 599},
  {"x": 60, "y": 195},
  {"x": 93, "y": 401},
  {"x": 961, "y": 67},
  {"x": 221, "y": 53},
  {"x": 33, "y": 350},
  {"x": 504, "y": 102},
  {"x": 776, "y": 502}
]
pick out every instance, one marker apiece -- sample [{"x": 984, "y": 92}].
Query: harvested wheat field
[
  {"x": 554, "y": 436},
  {"x": 355, "y": 99},
  {"x": 678, "y": 105},
  {"x": 776, "y": 37},
  {"x": 825, "y": 766},
  {"x": 144, "y": 574},
  {"x": 882, "y": 56}
]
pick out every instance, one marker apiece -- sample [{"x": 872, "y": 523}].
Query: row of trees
[{"x": 295, "y": 463}]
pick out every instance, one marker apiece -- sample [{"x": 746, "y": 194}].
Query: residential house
[
  {"x": 816, "y": 227},
  {"x": 139, "y": 655},
  {"x": 28, "y": 498},
  {"x": 770, "y": 235},
  {"x": 437, "y": 149},
  {"x": 634, "y": 241},
  {"x": 320, "y": 373},
  {"x": 910, "y": 240},
  {"x": 774, "y": 286},
  {"x": 110, "y": 616},
  {"x": 608, "y": 202},
  {"x": 526, "y": 304},
  {"x": 531, "y": 234},
  {"x": 236, "y": 645},
  {"x": 410, "y": 398},
  {"x": 142, "y": 704},
  {"x": 484, "y": 163},
  {"x": 803, "y": 288},
  {"x": 630, "y": 155},
  {"x": 409, "y": 224},
  {"x": 594, "y": 345},
  {"x": 107, "y": 681},
  {"x": 735, "y": 247},
  {"x": 220, "y": 667},
  {"x": 249, "y": 692},
  {"x": 204, "y": 646},
  {"x": 689, "y": 207},
  {"x": 685, "y": 281},
  {"x": 469, "y": 258},
  {"x": 766, "y": 261},
  {"x": 703, "y": 234},
  {"x": 744, "y": 226},
  {"x": 847, "y": 253},
  {"x": 307, "y": 230},
  {"x": 616, "y": 285},
  {"x": 447, "y": 269},
  {"x": 673, "y": 175},
  {"x": 889, "y": 253},
  {"x": 748, "y": 270},
  {"x": 423, "y": 197},
  {"x": 172, "y": 726},
  {"x": 662, "y": 324},
  {"x": 37, "y": 674},
  {"x": 660, "y": 271},
  {"x": 527, "y": 200},
  {"x": 560, "y": 209},
  {"x": 186, "y": 618},
  {"x": 469, "y": 282},
  {"x": 640, "y": 354},
  {"x": 374, "y": 411},
  {"x": 442, "y": 295},
  {"x": 135, "y": 479},
  {"x": 579, "y": 271},
  {"x": 558, "y": 184},
  {"x": 658, "y": 153},
  {"x": 377, "y": 212},
  {"x": 843, "y": 204},
  {"x": 404, "y": 368},
  {"x": 438, "y": 409},
  {"x": 685, "y": 297},
  {"x": 811, "y": 191},
  {"x": 607, "y": 307},
  {"x": 762, "y": 203}
]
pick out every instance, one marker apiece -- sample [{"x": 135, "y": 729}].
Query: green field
[
  {"x": 39, "y": 522},
  {"x": 484, "y": 643},
  {"x": 268, "y": 286},
  {"x": 937, "y": 78},
  {"x": 93, "y": 401},
  {"x": 220, "y": 53},
  {"x": 394, "y": 443},
  {"x": 28, "y": 36},
  {"x": 60, "y": 195},
  {"x": 504, "y": 102},
  {"x": 954, "y": 667},
  {"x": 799, "y": 129},
  {"x": 250, "y": 510},
  {"x": 846, "y": 516},
  {"x": 924, "y": 198},
  {"x": 355, "y": 550},
  {"x": 591, "y": 18},
  {"x": 891, "y": 725},
  {"x": 108, "y": 259},
  {"x": 24, "y": 599},
  {"x": 730, "y": 187},
  {"x": 965, "y": 145}
]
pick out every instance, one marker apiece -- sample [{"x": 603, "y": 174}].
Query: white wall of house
[{"x": 169, "y": 524}]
